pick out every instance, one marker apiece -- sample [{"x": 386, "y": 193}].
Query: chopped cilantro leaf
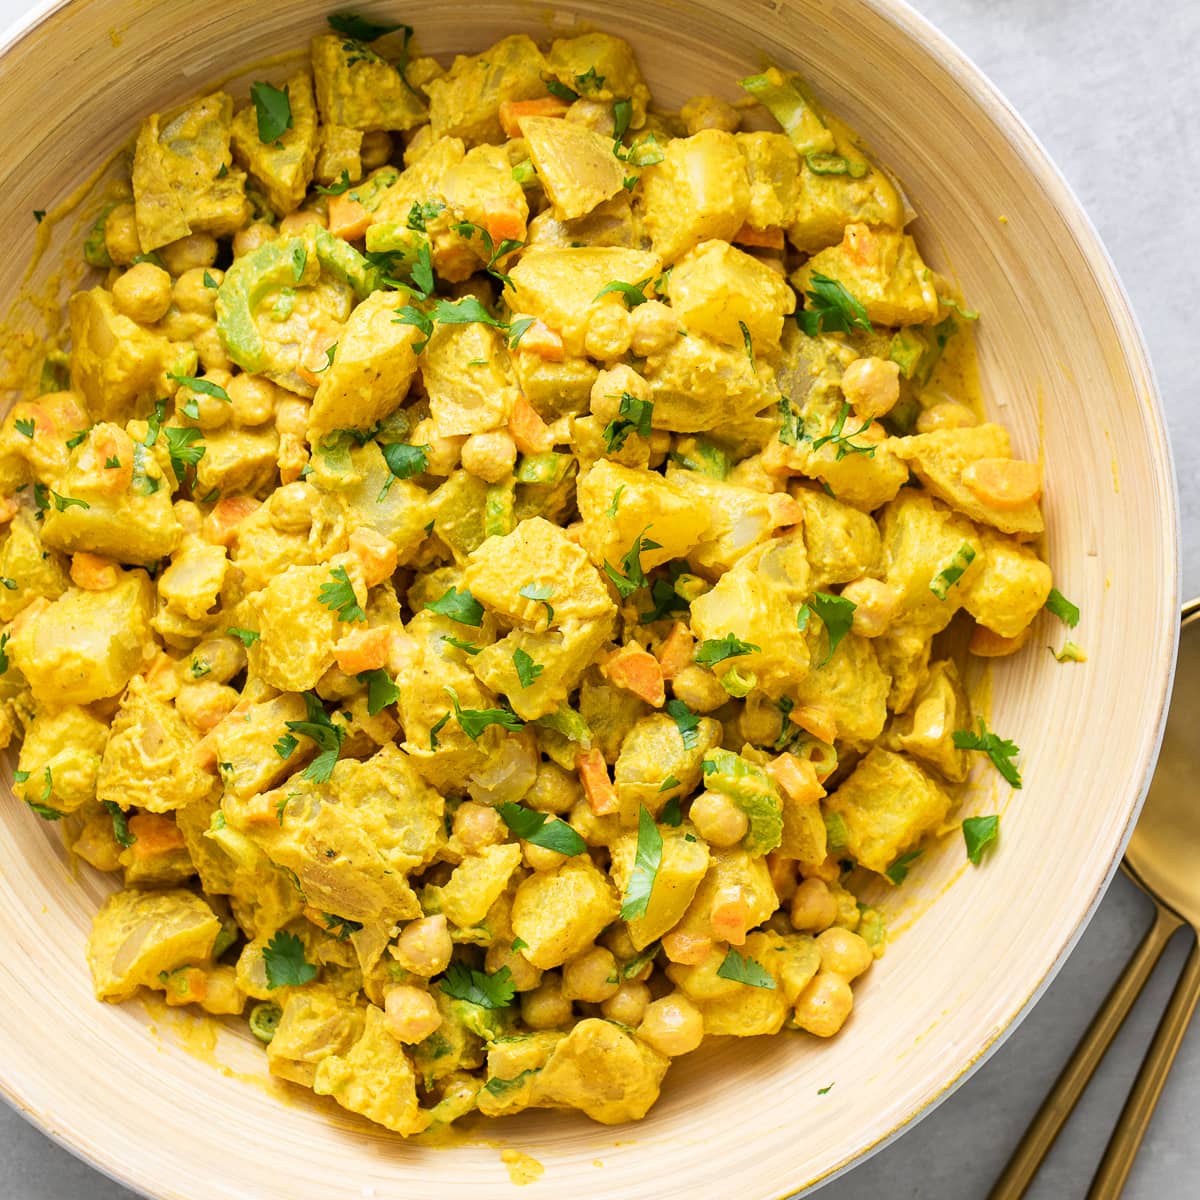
[
  {"x": 473, "y": 721},
  {"x": 998, "y": 749},
  {"x": 538, "y": 828},
  {"x": 273, "y": 109},
  {"x": 25, "y": 427},
  {"x": 979, "y": 833},
  {"x": 836, "y": 614},
  {"x": 686, "y": 722},
  {"x": 1062, "y": 608},
  {"x": 716, "y": 650},
  {"x": 647, "y": 860},
  {"x": 246, "y": 636},
  {"x": 745, "y": 970},
  {"x": 461, "y": 982},
  {"x": 527, "y": 669},
  {"x": 283, "y": 957},
  {"x": 831, "y": 308},
  {"x": 458, "y": 606},
  {"x": 898, "y": 871},
  {"x": 339, "y": 596},
  {"x": 381, "y": 690}
]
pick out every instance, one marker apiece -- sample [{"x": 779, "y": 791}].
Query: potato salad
[{"x": 473, "y": 573}]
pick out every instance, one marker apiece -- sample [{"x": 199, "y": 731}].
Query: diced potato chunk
[
  {"x": 117, "y": 365},
  {"x": 696, "y": 384},
  {"x": 244, "y": 743},
  {"x": 883, "y": 270},
  {"x": 477, "y": 883},
  {"x": 888, "y": 804},
  {"x": 560, "y": 286},
  {"x": 603, "y": 1071},
  {"x": 316, "y": 1024},
  {"x": 600, "y": 66},
  {"x": 851, "y": 688},
  {"x": 371, "y": 371},
  {"x": 772, "y": 167},
  {"x": 465, "y": 102},
  {"x": 728, "y": 295},
  {"x": 575, "y": 164},
  {"x": 827, "y": 204},
  {"x": 535, "y": 556},
  {"x": 467, "y": 378},
  {"x": 652, "y": 753},
  {"x": 339, "y": 149},
  {"x": 238, "y": 461},
  {"x": 560, "y": 913},
  {"x": 136, "y": 935},
  {"x": 24, "y": 560},
  {"x": 740, "y": 519},
  {"x": 700, "y": 190},
  {"x": 182, "y": 183},
  {"x": 647, "y": 505},
  {"x": 926, "y": 731},
  {"x": 358, "y": 89},
  {"x": 730, "y": 870},
  {"x": 842, "y": 543},
  {"x": 150, "y": 759},
  {"x": 684, "y": 864},
  {"x": 297, "y": 631},
  {"x": 283, "y": 168},
  {"x": 60, "y": 758},
  {"x": 757, "y": 601},
  {"x": 379, "y": 819},
  {"x": 939, "y": 459},
  {"x": 374, "y": 1078},
  {"x": 1010, "y": 588},
  {"x": 85, "y": 646}
]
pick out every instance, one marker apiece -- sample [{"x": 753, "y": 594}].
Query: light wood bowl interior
[{"x": 1063, "y": 366}]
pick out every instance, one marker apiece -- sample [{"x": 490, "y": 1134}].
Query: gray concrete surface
[{"x": 1112, "y": 90}]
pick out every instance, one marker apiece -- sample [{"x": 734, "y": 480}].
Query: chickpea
[
  {"x": 296, "y": 223},
  {"x": 655, "y": 327},
  {"x": 699, "y": 689},
  {"x": 218, "y": 659},
  {"x": 554, "y": 790},
  {"x": 813, "y": 907},
  {"x": 252, "y": 237},
  {"x": 195, "y": 250},
  {"x": 211, "y": 351},
  {"x": 872, "y": 385},
  {"x": 538, "y": 858},
  {"x": 478, "y": 826},
  {"x": 410, "y": 1014},
  {"x": 444, "y": 452},
  {"x": 205, "y": 703},
  {"x": 213, "y": 411},
  {"x": 824, "y": 1005},
  {"x": 844, "y": 953},
  {"x": 254, "y": 398},
  {"x": 875, "y": 604},
  {"x": 591, "y": 976},
  {"x": 192, "y": 295},
  {"x": 121, "y": 235},
  {"x": 424, "y": 946},
  {"x": 489, "y": 456},
  {"x": 525, "y": 976},
  {"x": 609, "y": 331},
  {"x": 377, "y": 149},
  {"x": 143, "y": 293},
  {"x": 627, "y": 1005},
  {"x": 292, "y": 508},
  {"x": 685, "y": 948},
  {"x": 617, "y": 939},
  {"x": 594, "y": 115},
  {"x": 708, "y": 112},
  {"x": 546, "y": 1007},
  {"x": 948, "y": 414},
  {"x": 718, "y": 819},
  {"x": 606, "y": 391},
  {"x": 672, "y": 1025}
]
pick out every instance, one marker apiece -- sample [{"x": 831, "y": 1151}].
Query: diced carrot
[
  {"x": 797, "y": 777},
  {"x": 676, "y": 650},
  {"x": 504, "y": 221},
  {"x": 348, "y": 219},
  {"x": 637, "y": 671},
  {"x": 688, "y": 949},
  {"x": 376, "y": 554},
  {"x": 986, "y": 644},
  {"x": 784, "y": 510},
  {"x": 156, "y": 835},
  {"x": 1003, "y": 483},
  {"x": 860, "y": 244},
  {"x": 362, "y": 649},
  {"x": 220, "y": 527},
  {"x": 204, "y": 753},
  {"x": 543, "y": 341},
  {"x": 186, "y": 985},
  {"x": 36, "y": 606},
  {"x": 106, "y": 458},
  {"x": 769, "y": 239},
  {"x": 597, "y": 786},
  {"x": 528, "y": 430},
  {"x": 814, "y": 719},
  {"x": 92, "y": 572},
  {"x": 511, "y": 112},
  {"x": 730, "y": 915}
]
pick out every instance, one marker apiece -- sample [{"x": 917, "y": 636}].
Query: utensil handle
[
  {"x": 1067, "y": 1089},
  {"x": 1139, "y": 1107}
]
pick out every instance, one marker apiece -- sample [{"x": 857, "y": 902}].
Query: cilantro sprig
[
  {"x": 461, "y": 982},
  {"x": 634, "y": 416},
  {"x": 836, "y": 613},
  {"x": 473, "y": 721},
  {"x": 339, "y": 596},
  {"x": 631, "y": 576},
  {"x": 1000, "y": 750},
  {"x": 273, "y": 109},
  {"x": 831, "y": 308},
  {"x": 283, "y": 957},
  {"x": 327, "y": 735},
  {"x": 647, "y": 860},
  {"x": 536, "y": 827},
  {"x": 716, "y": 650}
]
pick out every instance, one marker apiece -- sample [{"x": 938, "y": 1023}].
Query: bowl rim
[{"x": 1018, "y": 135}]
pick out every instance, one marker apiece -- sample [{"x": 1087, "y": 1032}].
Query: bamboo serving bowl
[{"x": 184, "y": 1110}]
